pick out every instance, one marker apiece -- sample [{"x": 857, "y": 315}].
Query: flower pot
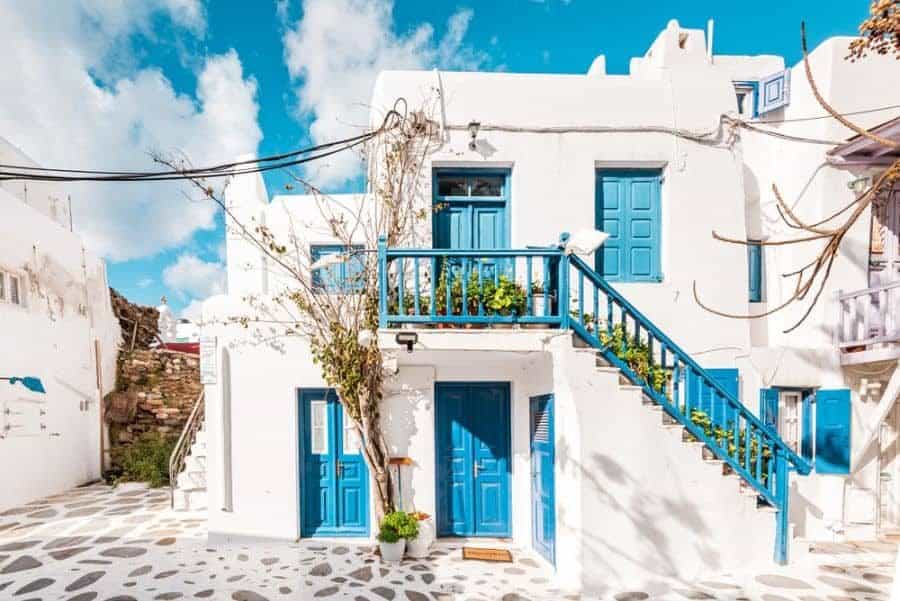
[
  {"x": 392, "y": 551},
  {"x": 419, "y": 546},
  {"x": 502, "y": 326},
  {"x": 538, "y": 303}
]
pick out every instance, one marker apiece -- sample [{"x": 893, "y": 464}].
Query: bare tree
[
  {"x": 339, "y": 319},
  {"x": 881, "y": 34}
]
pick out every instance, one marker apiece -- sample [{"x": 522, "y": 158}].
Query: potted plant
[
  {"x": 538, "y": 299},
  {"x": 506, "y": 298},
  {"x": 419, "y": 546},
  {"x": 395, "y": 530}
]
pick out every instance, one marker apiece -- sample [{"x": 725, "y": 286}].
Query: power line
[{"x": 828, "y": 115}]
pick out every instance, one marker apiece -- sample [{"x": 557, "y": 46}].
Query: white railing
[{"x": 869, "y": 316}]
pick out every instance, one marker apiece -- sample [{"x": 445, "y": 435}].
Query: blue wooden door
[
  {"x": 706, "y": 399},
  {"x": 628, "y": 209},
  {"x": 334, "y": 482},
  {"x": 543, "y": 493},
  {"x": 472, "y": 439}
]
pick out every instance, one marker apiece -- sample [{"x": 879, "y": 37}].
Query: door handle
[
  {"x": 477, "y": 467},
  {"x": 339, "y": 469}
]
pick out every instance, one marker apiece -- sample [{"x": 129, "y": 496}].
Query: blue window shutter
[
  {"x": 806, "y": 434},
  {"x": 703, "y": 397},
  {"x": 754, "y": 270},
  {"x": 833, "y": 431},
  {"x": 768, "y": 407},
  {"x": 774, "y": 91},
  {"x": 343, "y": 276},
  {"x": 628, "y": 209}
]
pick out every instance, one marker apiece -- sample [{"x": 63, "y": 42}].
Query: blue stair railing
[{"x": 459, "y": 287}]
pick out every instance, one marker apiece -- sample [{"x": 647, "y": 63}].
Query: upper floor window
[
  {"x": 10, "y": 288},
  {"x": 628, "y": 209},
  {"x": 470, "y": 184},
  {"x": 755, "y": 272},
  {"x": 745, "y": 93},
  {"x": 345, "y": 273}
]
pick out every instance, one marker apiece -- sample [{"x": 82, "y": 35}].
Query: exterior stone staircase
[{"x": 189, "y": 493}]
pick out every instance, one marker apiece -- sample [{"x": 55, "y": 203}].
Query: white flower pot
[
  {"x": 393, "y": 551},
  {"x": 419, "y": 546},
  {"x": 538, "y": 301}
]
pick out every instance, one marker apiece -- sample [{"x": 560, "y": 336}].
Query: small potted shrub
[
  {"x": 538, "y": 299},
  {"x": 419, "y": 546},
  {"x": 396, "y": 529},
  {"x": 506, "y": 298}
]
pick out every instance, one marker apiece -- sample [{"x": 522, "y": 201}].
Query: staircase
[
  {"x": 187, "y": 465},
  {"x": 743, "y": 449}
]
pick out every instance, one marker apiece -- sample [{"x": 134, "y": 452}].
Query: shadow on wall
[
  {"x": 399, "y": 423},
  {"x": 644, "y": 511}
]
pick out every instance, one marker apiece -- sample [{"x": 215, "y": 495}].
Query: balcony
[{"x": 867, "y": 328}]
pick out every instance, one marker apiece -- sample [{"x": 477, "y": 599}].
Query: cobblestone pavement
[{"x": 125, "y": 544}]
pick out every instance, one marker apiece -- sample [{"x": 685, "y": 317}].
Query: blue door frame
[
  {"x": 472, "y": 450},
  {"x": 334, "y": 480},
  {"x": 543, "y": 488}
]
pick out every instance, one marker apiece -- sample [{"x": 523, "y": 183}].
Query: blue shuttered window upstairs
[
  {"x": 346, "y": 275},
  {"x": 754, "y": 272},
  {"x": 833, "y": 431},
  {"x": 628, "y": 209}
]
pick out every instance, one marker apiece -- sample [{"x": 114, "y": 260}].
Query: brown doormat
[{"x": 486, "y": 554}]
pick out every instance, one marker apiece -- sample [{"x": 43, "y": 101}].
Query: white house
[
  {"x": 539, "y": 431},
  {"x": 59, "y": 327}
]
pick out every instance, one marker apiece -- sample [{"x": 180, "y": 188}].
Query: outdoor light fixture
[
  {"x": 32, "y": 384},
  {"x": 408, "y": 339},
  {"x": 473, "y": 133}
]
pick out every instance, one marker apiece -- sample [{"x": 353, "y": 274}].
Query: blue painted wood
[
  {"x": 782, "y": 496},
  {"x": 706, "y": 398},
  {"x": 334, "y": 485},
  {"x": 628, "y": 209},
  {"x": 833, "y": 431},
  {"x": 774, "y": 91},
  {"x": 768, "y": 407},
  {"x": 543, "y": 489},
  {"x": 346, "y": 276},
  {"x": 754, "y": 272},
  {"x": 806, "y": 427},
  {"x": 472, "y": 428},
  {"x": 383, "y": 282},
  {"x": 754, "y": 93}
]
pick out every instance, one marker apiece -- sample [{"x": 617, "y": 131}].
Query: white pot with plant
[
  {"x": 419, "y": 546},
  {"x": 396, "y": 529}
]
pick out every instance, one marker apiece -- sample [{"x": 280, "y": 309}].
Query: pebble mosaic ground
[{"x": 125, "y": 544}]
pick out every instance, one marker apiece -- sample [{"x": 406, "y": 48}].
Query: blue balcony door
[
  {"x": 334, "y": 481},
  {"x": 543, "y": 493},
  {"x": 472, "y": 436}
]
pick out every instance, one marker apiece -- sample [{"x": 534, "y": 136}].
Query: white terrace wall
[{"x": 51, "y": 442}]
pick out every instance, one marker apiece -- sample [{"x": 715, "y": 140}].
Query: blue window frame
[
  {"x": 775, "y": 413},
  {"x": 755, "y": 272},
  {"x": 471, "y": 208},
  {"x": 628, "y": 209},
  {"x": 747, "y": 95},
  {"x": 346, "y": 275}
]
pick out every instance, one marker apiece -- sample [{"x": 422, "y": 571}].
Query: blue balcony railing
[{"x": 476, "y": 287}]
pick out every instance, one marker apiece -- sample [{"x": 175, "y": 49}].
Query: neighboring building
[
  {"x": 529, "y": 433},
  {"x": 58, "y": 325}
]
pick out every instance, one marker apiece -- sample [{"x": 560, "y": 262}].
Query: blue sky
[{"x": 271, "y": 53}]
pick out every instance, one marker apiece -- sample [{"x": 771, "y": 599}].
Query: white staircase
[{"x": 190, "y": 485}]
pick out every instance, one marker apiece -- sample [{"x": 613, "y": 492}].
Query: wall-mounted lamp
[
  {"x": 407, "y": 339},
  {"x": 473, "y": 133}
]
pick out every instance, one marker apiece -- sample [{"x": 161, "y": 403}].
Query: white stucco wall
[{"x": 53, "y": 440}]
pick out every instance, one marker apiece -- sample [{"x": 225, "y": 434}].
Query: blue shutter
[
  {"x": 768, "y": 407},
  {"x": 610, "y": 212},
  {"x": 806, "y": 434},
  {"x": 703, "y": 397},
  {"x": 833, "y": 431},
  {"x": 754, "y": 270},
  {"x": 628, "y": 209},
  {"x": 774, "y": 91}
]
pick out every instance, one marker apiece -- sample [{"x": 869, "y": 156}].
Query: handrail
[
  {"x": 185, "y": 440},
  {"x": 867, "y": 291},
  {"x": 867, "y": 317},
  {"x": 803, "y": 466}
]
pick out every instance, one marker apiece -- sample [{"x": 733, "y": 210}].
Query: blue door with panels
[
  {"x": 543, "y": 493},
  {"x": 334, "y": 481},
  {"x": 628, "y": 209},
  {"x": 706, "y": 399},
  {"x": 472, "y": 439},
  {"x": 471, "y": 211}
]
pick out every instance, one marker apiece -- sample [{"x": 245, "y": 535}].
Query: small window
[
  {"x": 474, "y": 184},
  {"x": 11, "y": 288},
  {"x": 14, "y": 292},
  {"x": 351, "y": 437},
  {"x": 754, "y": 271},
  {"x": 789, "y": 422},
  {"x": 345, "y": 274},
  {"x": 318, "y": 427},
  {"x": 745, "y": 94}
]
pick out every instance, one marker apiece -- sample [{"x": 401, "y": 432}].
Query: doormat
[{"x": 486, "y": 554}]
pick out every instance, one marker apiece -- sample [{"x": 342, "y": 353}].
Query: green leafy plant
[
  {"x": 724, "y": 437},
  {"x": 635, "y": 353},
  {"x": 397, "y": 525},
  {"x": 145, "y": 460}
]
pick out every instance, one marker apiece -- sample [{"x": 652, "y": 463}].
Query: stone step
[
  {"x": 191, "y": 479},
  {"x": 195, "y": 463}
]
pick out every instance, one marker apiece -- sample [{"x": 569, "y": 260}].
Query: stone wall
[{"x": 156, "y": 390}]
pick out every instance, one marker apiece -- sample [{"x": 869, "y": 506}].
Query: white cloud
[
  {"x": 144, "y": 282},
  {"x": 193, "y": 311},
  {"x": 192, "y": 277},
  {"x": 335, "y": 51},
  {"x": 70, "y": 96}
]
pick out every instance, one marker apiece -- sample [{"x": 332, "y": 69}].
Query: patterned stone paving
[{"x": 125, "y": 544}]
